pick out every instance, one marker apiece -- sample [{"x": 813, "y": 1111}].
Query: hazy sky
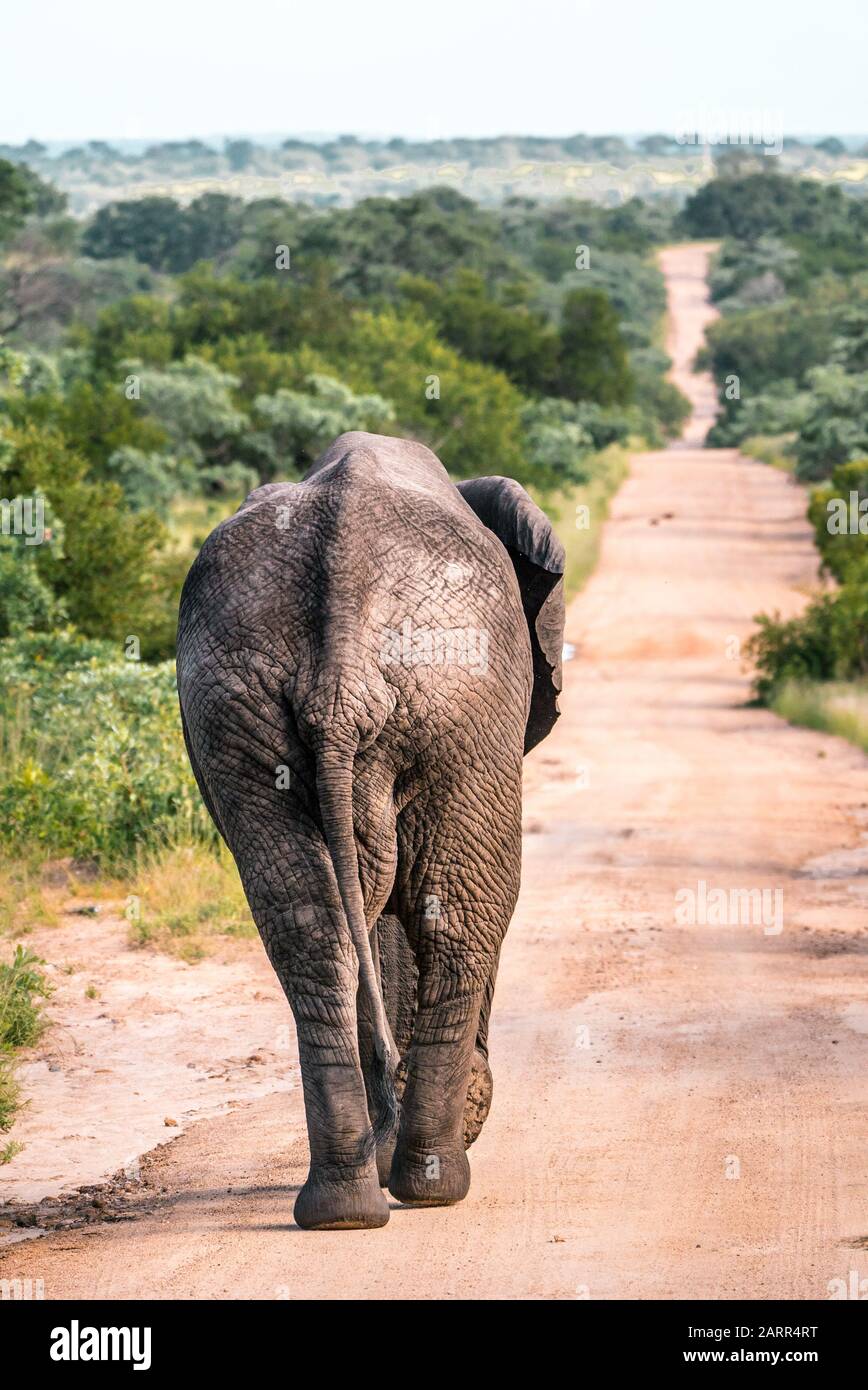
[{"x": 82, "y": 69}]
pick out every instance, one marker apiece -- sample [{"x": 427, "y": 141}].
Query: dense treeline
[
  {"x": 161, "y": 359},
  {"x": 348, "y": 151},
  {"x": 472, "y": 330}
]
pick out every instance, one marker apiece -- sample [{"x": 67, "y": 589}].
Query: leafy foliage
[
  {"x": 164, "y": 235},
  {"x": 23, "y": 192},
  {"x": 107, "y": 576},
  {"x": 794, "y": 334},
  {"x": 595, "y": 366},
  {"x": 835, "y": 426},
  {"x": 95, "y": 763},
  {"x": 295, "y": 426},
  {"x": 22, "y": 985},
  {"x": 838, "y": 512},
  {"x": 828, "y": 641},
  {"x": 826, "y": 226}
]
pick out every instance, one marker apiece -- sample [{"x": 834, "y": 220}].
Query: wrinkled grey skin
[{"x": 371, "y": 792}]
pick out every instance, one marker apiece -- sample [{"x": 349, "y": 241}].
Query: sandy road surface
[{"x": 679, "y": 1107}]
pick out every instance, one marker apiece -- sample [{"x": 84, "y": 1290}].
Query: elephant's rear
[
  {"x": 362, "y": 601},
  {"x": 356, "y": 665}
]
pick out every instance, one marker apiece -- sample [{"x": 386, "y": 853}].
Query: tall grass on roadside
[
  {"x": 834, "y": 707},
  {"x": 773, "y": 449},
  {"x": 22, "y": 986},
  {"x": 25, "y": 903},
  {"x": 184, "y": 894}
]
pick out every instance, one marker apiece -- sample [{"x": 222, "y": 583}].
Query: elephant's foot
[
  {"x": 350, "y": 1202},
  {"x": 433, "y": 1176},
  {"x": 478, "y": 1103}
]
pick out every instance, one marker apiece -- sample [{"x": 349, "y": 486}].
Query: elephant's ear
[{"x": 538, "y": 559}]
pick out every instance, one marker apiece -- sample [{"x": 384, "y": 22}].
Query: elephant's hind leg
[
  {"x": 460, "y": 899},
  {"x": 290, "y": 885}
]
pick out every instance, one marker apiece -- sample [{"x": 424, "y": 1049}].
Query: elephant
[{"x": 364, "y": 656}]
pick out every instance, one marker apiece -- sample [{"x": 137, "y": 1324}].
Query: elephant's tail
[{"x": 335, "y": 791}]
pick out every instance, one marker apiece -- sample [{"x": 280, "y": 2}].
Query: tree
[
  {"x": 27, "y": 602},
  {"x": 826, "y": 226},
  {"x": 842, "y": 544},
  {"x": 835, "y": 429},
  {"x": 105, "y": 575},
  {"x": 513, "y": 338},
  {"x": 594, "y": 364},
  {"x": 44, "y": 286},
  {"x": 92, "y": 417},
  {"x": 431, "y": 233},
  {"x": 739, "y": 267},
  {"x": 212, "y": 226},
  {"x": 295, "y": 426},
  {"x": 468, "y": 413},
  {"x": 45, "y": 199},
  {"x": 153, "y": 230},
  {"x": 655, "y": 145},
  {"x": 193, "y": 403},
  {"x": 239, "y": 153},
  {"x": 16, "y": 197},
  {"x": 831, "y": 145}
]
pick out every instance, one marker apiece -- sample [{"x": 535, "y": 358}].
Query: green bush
[
  {"x": 829, "y": 641},
  {"x": 594, "y": 362},
  {"x": 21, "y": 986},
  {"x": 842, "y": 532},
  {"x": 110, "y": 575},
  {"x": 778, "y": 410},
  {"x": 746, "y": 274},
  {"x": 293, "y": 427},
  {"x": 94, "y": 762},
  {"x": 513, "y": 338},
  {"x": 834, "y": 429}
]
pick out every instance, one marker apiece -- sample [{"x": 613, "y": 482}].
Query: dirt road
[{"x": 679, "y": 1088}]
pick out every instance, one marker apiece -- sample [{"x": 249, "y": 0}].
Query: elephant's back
[{"x": 360, "y": 576}]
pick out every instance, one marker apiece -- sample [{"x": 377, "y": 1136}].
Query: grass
[
  {"x": 771, "y": 449},
  {"x": 184, "y": 895},
  {"x": 10, "y": 1097},
  {"x": 25, "y": 902},
  {"x": 834, "y": 707},
  {"x": 22, "y": 987},
  {"x": 582, "y": 543}
]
